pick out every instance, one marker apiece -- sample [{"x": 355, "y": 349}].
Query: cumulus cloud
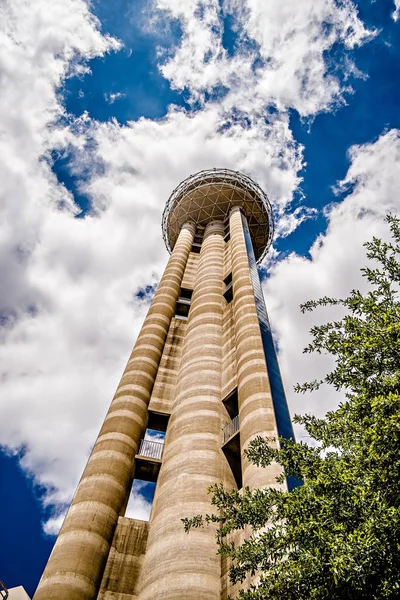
[
  {"x": 289, "y": 221},
  {"x": 40, "y": 44},
  {"x": 139, "y": 505},
  {"x": 70, "y": 308},
  {"x": 397, "y": 10},
  {"x": 372, "y": 190},
  {"x": 280, "y": 51}
]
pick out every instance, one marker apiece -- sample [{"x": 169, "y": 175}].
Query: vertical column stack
[
  {"x": 256, "y": 411},
  {"x": 76, "y": 565},
  {"x": 180, "y": 566}
]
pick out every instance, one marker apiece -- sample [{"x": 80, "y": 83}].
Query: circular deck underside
[{"x": 210, "y": 195}]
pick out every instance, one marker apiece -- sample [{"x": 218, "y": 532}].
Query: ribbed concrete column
[
  {"x": 179, "y": 566},
  {"x": 256, "y": 411},
  {"x": 76, "y": 565}
]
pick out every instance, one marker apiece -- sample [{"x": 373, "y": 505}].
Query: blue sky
[{"x": 99, "y": 121}]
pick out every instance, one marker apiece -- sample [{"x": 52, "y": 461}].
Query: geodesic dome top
[{"x": 210, "y": 195}]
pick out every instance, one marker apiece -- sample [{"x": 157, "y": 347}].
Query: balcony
[
  {"x": 231, "y": 448},
  {"x": 151, "y": 449},
  {"x": 148, "y": 460},
  {"x": 230, "y": 429}
]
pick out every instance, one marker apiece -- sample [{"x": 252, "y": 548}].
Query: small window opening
[
  {"x": 228, "y": 279},
  {"x": 197, "y": 241},
  {"x": 185, "y": 293},
  {"x": 140, "y": 500},
  {"x": 149, "y": 456},
  {"x": 227, "y": 234},
  {"x": 231, "y": 437},
  {"x": 198, "y": 238},
  {"x": 157, "y": 421},
  {"x": 231, "y": 404},
  {"x": 182, "y": 311},
  {"x": 183, "y": 304},
  {"x": 196, "y": 248},
  {"x": 228, "y": 291},
  {"x": 147, "y": 467}
]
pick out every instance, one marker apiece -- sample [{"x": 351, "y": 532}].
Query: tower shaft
[
  {"x": 256, "y": 410},
  {"x": 204, "y": 371},
  {"x": 183, "y": 566},
  {"x": 76, "y": 565}
]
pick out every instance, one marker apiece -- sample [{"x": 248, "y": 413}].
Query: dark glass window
[
  {"x": 231, "y": 404},
  {"x": 196, "y": 248},
  {"x": 228, "y": 291},
  {"x": 182, "y": 310},
  {"x": 185, "y": 293},
  {"x": 183, "y": 303},
  {"x": 231, "y": 446},
  {"x": 228, "y": 279}
]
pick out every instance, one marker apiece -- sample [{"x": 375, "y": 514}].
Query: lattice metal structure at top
[{"x": 210, "y": 195}]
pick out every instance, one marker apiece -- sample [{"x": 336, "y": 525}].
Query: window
[
  {"x": 231, "y": 437},
  {"x": 231, "y": 404},
  {"x": 228, "y": 279},
  {"x": 185, "y": 293},
  {"x": 196, "y": 248},
  {"x": 227, "y": 235},
  {"x": 148, "y": 463},
  {"x": 182, "y": 310},
  {"x": 228, "y": 291},
  {"x": 198, "y": 238},
  {"x": 197, "y": 241},
  {"x": 183, "y": 304}
]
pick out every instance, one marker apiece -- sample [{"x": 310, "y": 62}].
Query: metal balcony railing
[
  {"x": 3, "y": 591},
  {"x": 230, "y": 429},
  {"x": 151, "y": 449}
]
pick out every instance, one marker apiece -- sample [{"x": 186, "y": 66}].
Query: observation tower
[{"x": 204, "y": 371}]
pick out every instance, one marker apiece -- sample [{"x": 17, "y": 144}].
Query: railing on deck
[
  {"x": 230, "y": 429},
  {"x": 151, "y": 449}
]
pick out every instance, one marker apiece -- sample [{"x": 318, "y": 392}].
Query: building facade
[{"x": 204, "y": 370}]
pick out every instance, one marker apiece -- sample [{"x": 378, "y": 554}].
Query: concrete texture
[
  {"x": 17, "y": 593},
  {"x": 184, "y": 370},
  {"x": 256, "y": 411},
  {"x": 125, "y": 560},
  {"x": 178, "y": 566},
  {"x": 76, "y": 565},
  {"x": 163, "y": 396}
]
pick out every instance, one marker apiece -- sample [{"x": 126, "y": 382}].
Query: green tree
[{"x": 337, "y": 536}]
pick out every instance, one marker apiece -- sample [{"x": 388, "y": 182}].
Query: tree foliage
[{"x": 337, "y": 536}]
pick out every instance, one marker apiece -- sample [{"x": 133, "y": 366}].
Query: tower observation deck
[
  {"x": 210, "y": 195},
  {"x": 204, "y": 371}
]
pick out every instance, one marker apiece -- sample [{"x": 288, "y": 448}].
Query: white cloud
[
  {"x": 397, "y": 10},
  {"x": 138, "y": 506},
  {"x": 68, "y": 305},
  {"x": 373, "y": 184},
  {"x": 69, "y": 308},
  {"x": 111, "y": 98},
  {"x": 289, "y": 221},
  {"x": 40, "y": 43},
  {"x": 53, "y": 525},
  {"x": 291, "y": 40}
]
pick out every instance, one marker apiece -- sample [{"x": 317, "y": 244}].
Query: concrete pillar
[
  {"x": 76, "y": 565},
  {"x": 256, "y": 410},
  {"x": 180, "y": 566}
]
